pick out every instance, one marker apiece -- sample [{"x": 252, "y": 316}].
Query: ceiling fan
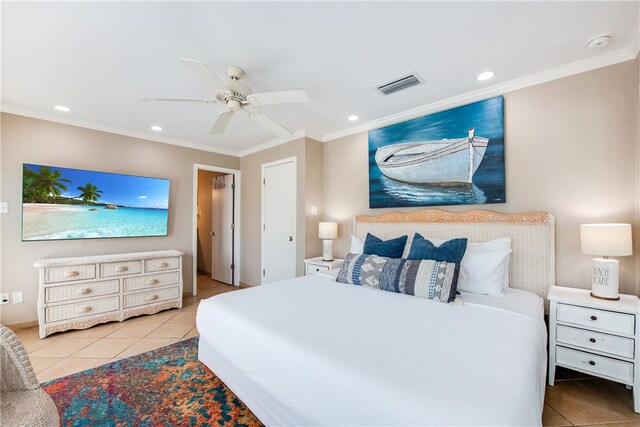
[{"x": 238, "y": 97}]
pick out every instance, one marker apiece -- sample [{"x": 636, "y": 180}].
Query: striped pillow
[{"x": 423, "y": 278}]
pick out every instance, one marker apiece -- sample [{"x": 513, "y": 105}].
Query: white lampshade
[
  {"x": 606, "y": 239},
  {"x": 328, "y": 230}
]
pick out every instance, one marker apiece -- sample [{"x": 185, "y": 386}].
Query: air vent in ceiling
[{"x": 400, "y": 84}]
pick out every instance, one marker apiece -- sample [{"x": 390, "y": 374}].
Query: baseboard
[
  {"x": 23, "y": 325},
  {"x": 200, "y": 271}
]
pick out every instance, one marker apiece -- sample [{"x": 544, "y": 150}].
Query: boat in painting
[{"x": 439, "y": 161}]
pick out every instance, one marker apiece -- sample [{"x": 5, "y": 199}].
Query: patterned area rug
[{"x": 164, "y": 387}]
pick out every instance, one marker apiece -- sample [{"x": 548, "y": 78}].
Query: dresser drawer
[
  {"x": 617, "y": 346},
  {"x": 603, "y": 320},
  {"x": 315, "y": 269},
  {"x": 598, "y": 365},
  {"x": 120, "y": 268},
  {"x": 151, "y": 281},
  {"x": 160, "y": 264},
  {"x": 81, "y": 290},
  {"x": 69, "y": 273},
  {"x": 151, "y": 297},
  {"x": 86, "y": 308}
]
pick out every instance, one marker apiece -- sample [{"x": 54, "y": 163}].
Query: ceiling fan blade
[
  {"x": 205, "y": 72},
  {"x": 269, "y": 124},
  {"x": 222, "y": 121},
  {"x": 279, "y": 97},
  {"x": 206, "y": 101}
]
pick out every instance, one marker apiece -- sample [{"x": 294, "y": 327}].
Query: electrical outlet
[
  {"x": 16, "y": 297},
  {"x": 4, "y": 298}
]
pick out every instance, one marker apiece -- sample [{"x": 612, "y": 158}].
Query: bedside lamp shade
[
  {"x": 327, "y": 231},
  {"x": 605, "y": 240}
]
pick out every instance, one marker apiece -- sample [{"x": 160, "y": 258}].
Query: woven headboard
[{"x": 532, "y": 265}]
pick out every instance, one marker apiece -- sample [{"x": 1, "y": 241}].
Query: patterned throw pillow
[{"x": 430, "y": 279}]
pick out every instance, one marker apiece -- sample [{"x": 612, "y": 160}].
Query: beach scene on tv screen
[{"x": 62, "y": 203}]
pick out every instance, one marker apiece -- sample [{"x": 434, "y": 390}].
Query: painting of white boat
[
  {"x": 444, "y": 160},
  {"x": 451, "y": 157}
]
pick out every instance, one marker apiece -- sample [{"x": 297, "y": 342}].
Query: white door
[
  {"x": 279, "y": 221},
  {"x": 222, "y": 229}
]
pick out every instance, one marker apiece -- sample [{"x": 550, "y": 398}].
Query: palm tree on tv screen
[
  {"x": 90, "y": 193},
  {"x": 44, "y": 186}
]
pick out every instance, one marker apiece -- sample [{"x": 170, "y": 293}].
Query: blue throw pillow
[
  {"x": 390, "y": 248},
  {"x": 450, "y": 251}
]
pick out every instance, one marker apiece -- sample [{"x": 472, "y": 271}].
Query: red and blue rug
[{"x": 164, "y": 387}]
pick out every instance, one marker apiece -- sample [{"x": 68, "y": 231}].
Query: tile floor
[{"x": 576, "y": 399}]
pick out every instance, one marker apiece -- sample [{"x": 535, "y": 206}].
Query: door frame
[
  {"x": 236, "y": 221},
  {"x": 295, "y": 217}
]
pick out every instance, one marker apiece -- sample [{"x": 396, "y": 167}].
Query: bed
[{"x": 311, "y": 351}]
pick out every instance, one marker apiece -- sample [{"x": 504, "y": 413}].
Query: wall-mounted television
[{"x": 61, "y": 203}]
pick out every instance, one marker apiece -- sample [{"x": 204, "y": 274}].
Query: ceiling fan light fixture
[
  {"x": 62, "y": 108},
  {"x": 156, "y": 128},
  {"x": 485, "y": 76},
  {"x": 353, "y": 118}
]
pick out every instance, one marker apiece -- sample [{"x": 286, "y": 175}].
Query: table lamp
[
  {"x": 327, "y": 231},
  {"x": 605, "y": 240}
]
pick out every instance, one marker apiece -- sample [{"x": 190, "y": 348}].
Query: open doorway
[{"x": 216, "y": 238}]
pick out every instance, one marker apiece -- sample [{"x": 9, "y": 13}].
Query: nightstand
[
  {"x": 595, "y": 336},
  {"x": 317, "y": 265}
]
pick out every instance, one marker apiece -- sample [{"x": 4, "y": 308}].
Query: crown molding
[
  {"x": 51, "y": 117},
  {"x": 610, "y": 58},
  {"x": 272, "y": 143}
]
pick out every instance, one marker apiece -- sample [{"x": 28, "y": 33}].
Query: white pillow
[
  {"x": 485, "y": 266},
  {"x": 357, "y": 245}
]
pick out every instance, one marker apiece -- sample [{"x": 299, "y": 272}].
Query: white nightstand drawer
[
  {"x": 605, "y": 343},
  {"x": 598, "y": 365},
  {"x": 315, "y": 269},
  {"x": 610, "y": 321},
  {"x": 120, "y": 268}
]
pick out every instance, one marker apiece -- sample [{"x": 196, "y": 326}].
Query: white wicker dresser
[{"x": 80, "y": 292}]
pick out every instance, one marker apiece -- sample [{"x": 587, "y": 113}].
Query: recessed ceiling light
[
  {"x": 485, "y": 76},
  {"x": 62, "y": 108},
  {"x": 156, "y": 128},
  {"x": 353, "y": 118},
  {"x": 600, "y": 41}
]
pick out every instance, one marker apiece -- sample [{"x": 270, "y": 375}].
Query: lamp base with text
[
  {"x": 604, "y": 279},
  {"x": 327, "y": 250}
]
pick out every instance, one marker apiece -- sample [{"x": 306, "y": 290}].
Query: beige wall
[
  {"x": 205, "y": 218},
  {"x": 26, "y": 140},
  {"x": 308, "y": 153},
  {"x": 571, "y": 148}
]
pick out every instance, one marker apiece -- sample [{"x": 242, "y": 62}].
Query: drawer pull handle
[
  {"x": 163, "y": 265},
  {"x": 73, "y": 273},
  {"x": 594, "y": 318},
  {"x": 122, "y": 269},
  {"x": 83, "y": 291},
  {"x": 84, "y": 309},
  {"x": 592, "y": 363},
  {"x": 152, "y": 297},
  {"x": 317, "y": 269},
  {"x": 153, "y": 282},
  {"x": 592, "y": 339}
]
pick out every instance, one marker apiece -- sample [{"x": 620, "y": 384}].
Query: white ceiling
[{"x": 100, "y": 58}]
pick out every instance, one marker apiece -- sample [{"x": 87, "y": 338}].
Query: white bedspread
[{"x": 311, "y": 351}]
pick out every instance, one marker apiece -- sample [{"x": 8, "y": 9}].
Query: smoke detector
[{"x": 598, "y": 42}]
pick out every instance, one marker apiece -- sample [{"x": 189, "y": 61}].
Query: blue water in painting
[
  {"x": 488, "y": 181},
  {"x": 54, "y": 222}
]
